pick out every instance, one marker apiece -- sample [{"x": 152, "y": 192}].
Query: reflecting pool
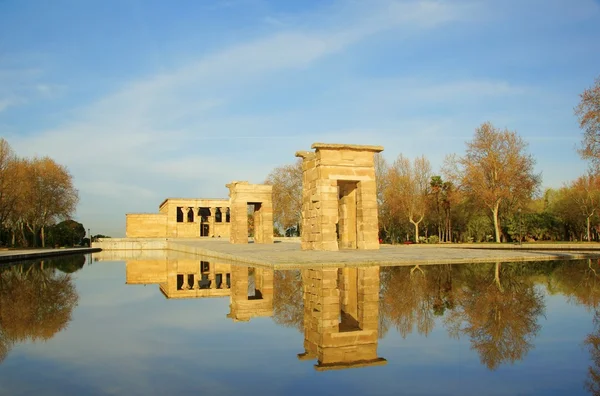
[{"x": 174, "y": 324}]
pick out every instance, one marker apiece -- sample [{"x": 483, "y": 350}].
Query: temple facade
[{"x": 182, "y": 218}]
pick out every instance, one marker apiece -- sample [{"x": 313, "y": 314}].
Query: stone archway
[{"x": 260, "y": 197}]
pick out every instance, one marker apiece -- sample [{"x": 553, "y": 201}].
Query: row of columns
[
  {"x": 212, "y": 276},
  {"x": 211, "y": 217}
]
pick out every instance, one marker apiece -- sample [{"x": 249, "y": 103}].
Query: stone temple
[{"x": 339, "y": 206}]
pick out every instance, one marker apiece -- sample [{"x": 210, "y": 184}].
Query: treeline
[
  {"x": 490, "y": 194},
  {"x": 35, "y": 193}
]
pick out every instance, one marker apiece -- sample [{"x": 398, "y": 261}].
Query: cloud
[{"x": 19, "y": 87}]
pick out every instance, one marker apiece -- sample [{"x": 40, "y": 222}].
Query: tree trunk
[
  {"x": 416, "y": 223},
  {"x": 497, "y": 277},
  {"x": 496, "y": 225},
  {"x": 588, "y": 229},
  {"x": 23, "y": 239},
  {"x": 43, "y": 238}
]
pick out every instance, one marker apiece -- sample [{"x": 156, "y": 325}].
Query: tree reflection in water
[
  {"x": 498, "y": 307},
  {"x": 580, "y": 282},
  {"x": 288, "y": 306},
  {"x": 592, "y": 342},
  {"x": 36, "y": 302},
  {"x": 414, "y": 295}
]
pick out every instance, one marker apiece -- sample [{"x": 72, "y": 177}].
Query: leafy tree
[
  {"x": 50, "y": 195},
  {"x": 588, "y": 115},
  {"x": 585, "y": 192},
  {"x": 497, "y": 169},
  {"x": 67, "y": 233}
]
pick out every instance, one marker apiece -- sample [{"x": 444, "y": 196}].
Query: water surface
[{"x": 172, "y": 325}]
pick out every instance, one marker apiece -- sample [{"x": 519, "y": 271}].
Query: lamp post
[{"x": 519, "y": 210}]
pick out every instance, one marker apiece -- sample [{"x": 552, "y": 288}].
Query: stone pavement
[{"x": 288, "y": 254}]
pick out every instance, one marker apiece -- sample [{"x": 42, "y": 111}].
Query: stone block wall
[
  {"x": 339, "y": 197},
  {"x": 145, "y": 225}
]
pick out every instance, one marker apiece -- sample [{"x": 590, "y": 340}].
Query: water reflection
[
  {"x": 337, "y": 309},
  {"x": 539, "y": 317},
  {"x": 250, "y": 289},
  {"x": 36, "y": 300},
  {"x": 341, "y": 317}
]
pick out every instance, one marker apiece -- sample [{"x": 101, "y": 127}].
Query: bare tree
[
  {"x": 496, "y": 169},
  {"x": 8, "y": 181},
  {"x": 588, "y": 114},
  {"x": 287, "y": 194},
  {"x": 410, "y": 185}
]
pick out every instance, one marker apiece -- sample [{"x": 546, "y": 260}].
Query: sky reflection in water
[{"x": 107, "y": 328}]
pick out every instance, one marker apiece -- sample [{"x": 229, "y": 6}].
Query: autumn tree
[
  {"x": 497, "y": 169},
  {"x": 287, "y": 195},
  {"x": 585, "y": 193},
  {"x": 386, "y": 212},
  {"x": 8, "y": 181},
  {"x": 563, "y": 206},
  {"x": 408, "y": 187},
  {"x": 49, "y": 195},
  {"x": 588, "y": 114}
]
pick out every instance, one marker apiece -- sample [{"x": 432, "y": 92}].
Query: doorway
[{"x": 347, "y": 221}]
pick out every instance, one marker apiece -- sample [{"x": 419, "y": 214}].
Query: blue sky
[{"x": 145, "y": 100}]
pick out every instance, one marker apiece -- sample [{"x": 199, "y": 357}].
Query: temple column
[
  {"x": 185, "y": 285},
  {"x": 185, "y": 214},
  {"x": 211, "y": 220},
  {"x": 212, "y": 277}
]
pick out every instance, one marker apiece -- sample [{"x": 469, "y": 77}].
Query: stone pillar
[
  {"x": 212, "y": 276},
  {"x": 211, "y": 221},
  {"x": 185, "y": 214}
]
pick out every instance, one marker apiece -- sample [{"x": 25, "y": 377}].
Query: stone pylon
[{"x": 339, "y": 197}]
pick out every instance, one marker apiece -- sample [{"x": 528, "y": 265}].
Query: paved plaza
[{"x": 289, "y": 255}]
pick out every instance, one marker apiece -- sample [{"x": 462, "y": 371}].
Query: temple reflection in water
[
  {"x": 250, "y": 289},
  {"x": 341, "y": 305},
  {"x": 341, "y": 314}
]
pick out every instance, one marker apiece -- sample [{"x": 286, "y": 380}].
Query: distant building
[{"x": 182, "y": 218}]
